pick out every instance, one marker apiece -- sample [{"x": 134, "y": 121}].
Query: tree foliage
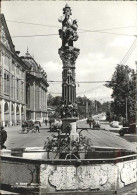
[
  {"x": 123, "y": 86},
  {"x": 93, "y": 106}
]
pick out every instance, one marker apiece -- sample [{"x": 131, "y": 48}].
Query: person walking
[
  {"x": 3, "y": 137},
  {"x": 50, "y": 122},
  {"x": 36, "y": 125},
  {"x": 89, "y": 124},
  {"x": 46, "y": 121}
]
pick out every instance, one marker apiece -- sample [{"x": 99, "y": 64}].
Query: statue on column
[{"x": 68, "y": 33}]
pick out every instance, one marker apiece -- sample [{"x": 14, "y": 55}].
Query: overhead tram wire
[
  {"x": 84, "y": 30},
  {"x": 80, "y": 81},
  {"x": 46, "y": 35},
  {"x": 25, "y": 36},
  {"x": 30, "y": 23},
  {"x": 92, "y": 89},
  {"x": 53, "y": 84},
  {"x": 129, "y": 52},
  {"x": 108, "y": 33}
]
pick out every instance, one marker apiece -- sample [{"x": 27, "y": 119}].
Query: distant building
[
  {"x": 36, "y": 89},
  {"x": 12, "y": 81}
]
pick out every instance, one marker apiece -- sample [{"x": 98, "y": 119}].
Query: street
[
  {"x": 106, "y": 138},
  {"x": 110, "y": 137},
  {"x": 17, "y": 139}
]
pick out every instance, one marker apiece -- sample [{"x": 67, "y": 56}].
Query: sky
[{"x": 100, "y": 52}]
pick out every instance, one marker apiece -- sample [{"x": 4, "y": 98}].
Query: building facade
[
  {"x": 23, "y": 84},
  {"x": 12, "y": 81},
  {"x": 36, "y": 90}
]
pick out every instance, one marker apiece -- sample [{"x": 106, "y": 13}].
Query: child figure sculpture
[{"x": 68, "y": 33}]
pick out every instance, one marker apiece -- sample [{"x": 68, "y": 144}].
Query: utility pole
[
  {"x": 87, "y": 110},
  {"x": 96, "y": 108},
  {"x": 126, "y": 110}
]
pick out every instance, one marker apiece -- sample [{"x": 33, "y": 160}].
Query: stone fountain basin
[
  {"x": 94, "y": 152},
  {"x": 100, "y": 176}
]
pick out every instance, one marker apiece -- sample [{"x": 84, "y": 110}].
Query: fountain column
[{"x": 68, "y": 54}]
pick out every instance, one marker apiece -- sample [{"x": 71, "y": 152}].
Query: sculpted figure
[{"x": 68, "y": 33}]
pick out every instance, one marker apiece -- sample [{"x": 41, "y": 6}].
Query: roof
[
  {"x": 7, "y": 34},
  {"x": 7, "y": 41}
]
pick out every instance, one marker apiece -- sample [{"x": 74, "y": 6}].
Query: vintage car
[
  {"x": 56, "y": 125},
  {"x": 96, "y": 124},
  {"x": 114, "y": 124},
  {"x": 131, "y": 129}
]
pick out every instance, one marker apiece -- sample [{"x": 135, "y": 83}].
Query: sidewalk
[
  {"x": 7, "y": 192},
  {"x": 18, "y": 128},
  {"x": 13, "y": 128}
]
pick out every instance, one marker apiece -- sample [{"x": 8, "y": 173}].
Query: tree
[
  {"x": 123, "y": 86},
  {"x": 57, "y": 101},
  {"x": 50, "y": 99}
]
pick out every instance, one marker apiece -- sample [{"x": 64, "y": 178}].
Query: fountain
[{"x": 59, "y": 167}]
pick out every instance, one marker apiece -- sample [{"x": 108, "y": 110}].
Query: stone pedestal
[
  {"x": 66, "y": 122},
  {"x": 74, "y": 135}
]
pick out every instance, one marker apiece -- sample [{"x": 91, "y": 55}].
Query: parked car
[
  {"x": 56, "y": 125},
  {"x": 114, "y": 124},
  {"x": 131, "y": 129}
]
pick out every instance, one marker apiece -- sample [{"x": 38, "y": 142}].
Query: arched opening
[
  {"x": 12, "y": 108},
  {"x": 22, "y": 109},
  {"x": 17, "y": 109},
  {"x": 6, "y": 107}
]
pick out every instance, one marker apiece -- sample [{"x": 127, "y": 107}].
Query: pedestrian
[
  {"x": 50, "y": 122},
  {"x": 36, "y": 125},
  {"x": 89, "y": 124},
  {"x": 46, "y": 122},
  {"x": 3, "y": 138}
]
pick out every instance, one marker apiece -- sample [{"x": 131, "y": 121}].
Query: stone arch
[
  {"x": 12, "y": 107},
  {"x": 6, "y": 107},
  {"x": 17, "y": 109},
  {"x": 22, "y": 109}
]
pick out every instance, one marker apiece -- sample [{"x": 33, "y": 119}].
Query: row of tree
[
  {"x": 93, "y": 106},
  {"x": 123, "y": 85}
]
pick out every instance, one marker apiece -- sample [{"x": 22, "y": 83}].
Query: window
[
  {"x": 17, "y": 70},
  {"x": 12, "y": 86},
  {"x": 22, "y": 91},
  {"x": 7, "y": 82},
  {"x": 13, "y": 66},
  {"x": 7, "y": 61}
]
